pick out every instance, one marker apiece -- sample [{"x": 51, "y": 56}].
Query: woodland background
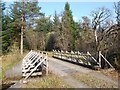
[{"x": 101, "y": 33}]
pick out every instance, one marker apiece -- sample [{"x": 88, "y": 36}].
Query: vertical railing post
[
  {"x": 107, "y": 61},
  {"x": 58, "y": 54},
  {"x": 61, "y": 54},
  {"x": 53, "y": 52},
  {"x": 46, "y": 65},
  {"x": 78, "y": 56},
  {"x": 100, "y": 59}
]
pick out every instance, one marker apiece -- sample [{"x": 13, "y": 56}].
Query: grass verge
[
  {"x": 50, "y": 81},
  {"x": 8, "y": 61},
  {"x": 92, "y": 81}
]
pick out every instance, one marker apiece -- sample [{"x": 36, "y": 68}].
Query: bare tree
[
  {"x": 86, "y": 22},
  {"x": 117, "y": 11},
  {"x": 99, "y": 15}
]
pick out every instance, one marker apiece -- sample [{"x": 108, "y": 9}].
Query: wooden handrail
[
  {"x": 92, "y": 57},
  {"x": 65, "y": 54},
  {"x": 35, "y": 68},
  {"x": 31, "y": 60},
  {"x": 105, "y": 59}
]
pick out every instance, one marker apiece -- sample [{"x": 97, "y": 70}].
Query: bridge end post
[
  {"x": 100, "y": 59},
  {"x": 46, "y": 65}
]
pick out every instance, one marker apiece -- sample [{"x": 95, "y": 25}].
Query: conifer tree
[
  {"x": 24, "y": 15},
  {"x": 69, "y": 28}
]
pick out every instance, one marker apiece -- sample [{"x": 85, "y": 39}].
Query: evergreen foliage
[{"x": 42, "y": 33}]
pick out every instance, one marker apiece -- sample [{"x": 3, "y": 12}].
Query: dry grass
[
  {"x": 9, "y": 60},
  {"x": 0, "y": 67},
  {"x": 50, "y": 54},
  {"x": 50, "y": 81},
  {"x": 111, "y": 73},
  {"x": 92, "y": 81}
]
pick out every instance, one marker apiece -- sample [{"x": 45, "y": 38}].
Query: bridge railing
[
  {"x": 79, "y": 57},
  {"x": 34, "y": 63},
  {"x": 106, "y": 61}
]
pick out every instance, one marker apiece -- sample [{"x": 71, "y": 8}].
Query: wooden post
[
  {"x": 47, "y": 66},
  {"x": 58, "y": 54},
  {"x": 107, "y": 61},
  {"x": 53, "y": 52},
  {"x": 100, "y": 59},
  {"x": 78, "y": 56},
  {"x": 62, "y": 53}
]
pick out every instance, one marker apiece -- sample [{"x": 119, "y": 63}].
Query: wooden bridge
[
  {"x": 34, "y": 63},
  {"x": 81, "y": 58}
]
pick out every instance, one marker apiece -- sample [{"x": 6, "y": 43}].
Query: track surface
[{"x": 64, "y": 70}]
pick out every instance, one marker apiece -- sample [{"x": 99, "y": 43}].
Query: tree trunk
[
  {"x": 22, "y": 40},
  {"x": 22, "y": 28}
]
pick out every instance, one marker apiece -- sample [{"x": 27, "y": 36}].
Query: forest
[{"x": 25, "y": 27}]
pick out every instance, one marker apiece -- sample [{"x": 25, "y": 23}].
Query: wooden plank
[
  {"x": 28, "y": 65},
  {"x": 106, "y": 60},
  {"x": 30, "y": 62},
  {"x": 34, "y": 68},
  {"x": 29, "y": 57},
  {"x": 33, "y": 63},
  {"x": 33, "y": 74},
  {"x": 25, "y": 63},
  {"x": 92, "y": 57}
]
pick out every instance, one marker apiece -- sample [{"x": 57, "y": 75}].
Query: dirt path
[
  {"x": 66, "y": 69},
  {"x": 15, "y": 71},
  {"x": 59, "y": 68}
]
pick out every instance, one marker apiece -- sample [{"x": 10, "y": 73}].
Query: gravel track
[{"x": 64, "y": 70}]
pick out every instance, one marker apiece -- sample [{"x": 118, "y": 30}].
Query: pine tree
[
  {"x": 43, "y": 24},
  {"x": 6, "y": 30},
  {"x": 57, "y": 30},
  {"x": 56, "y": 22},
  {"x": 69, "y": 28},
  {"x": 24, "y": 15}
]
